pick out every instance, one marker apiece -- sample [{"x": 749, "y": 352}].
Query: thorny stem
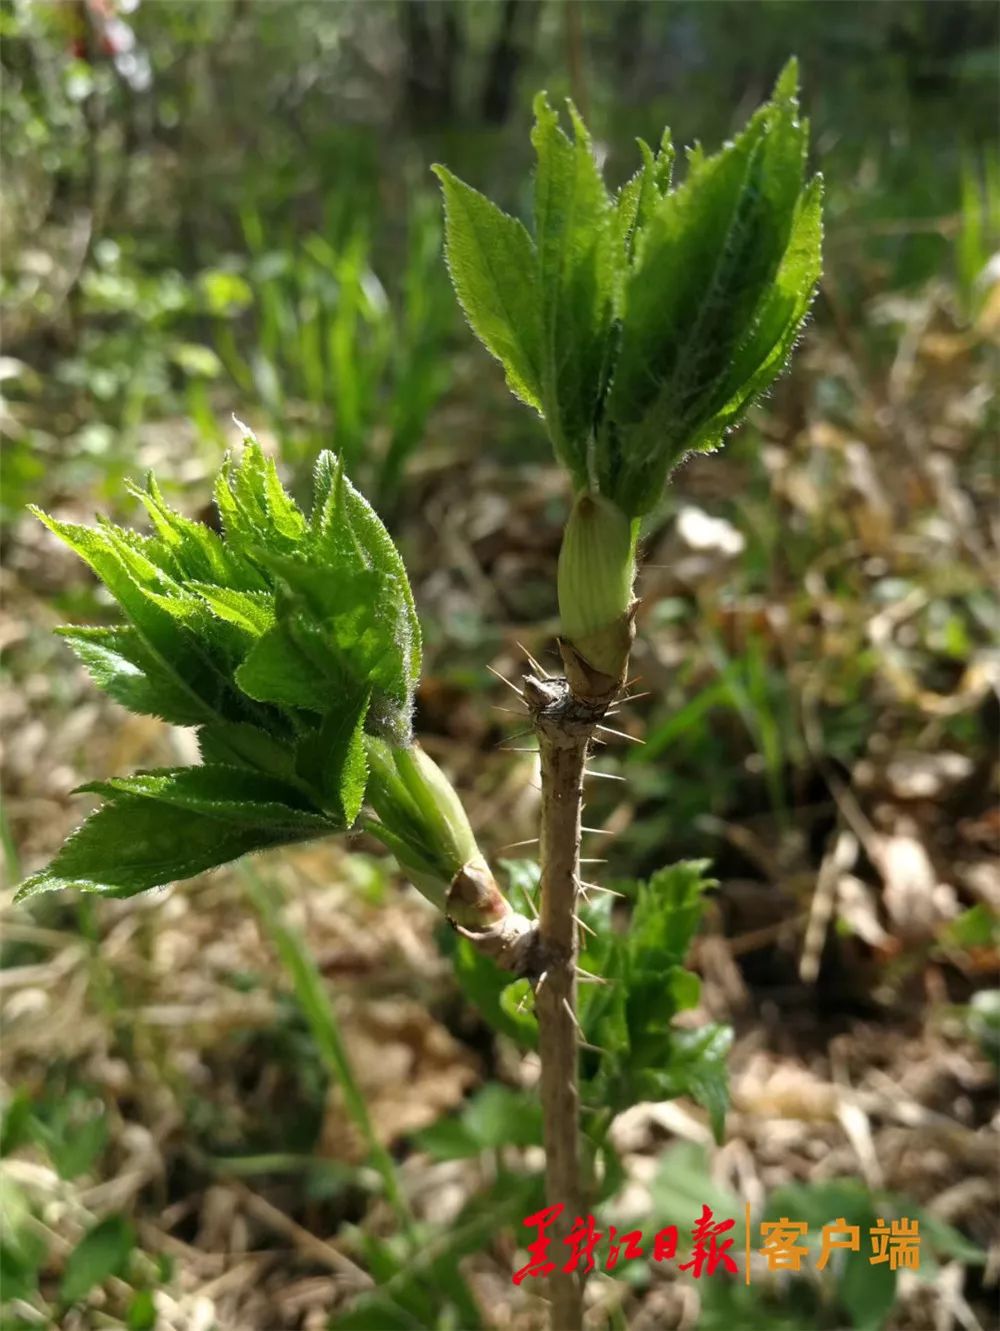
[{"x": 564, "y": 725}]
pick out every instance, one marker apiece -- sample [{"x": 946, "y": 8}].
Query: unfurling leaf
[
  {"x": 705, "y": 267},
  {"x": 642, "y": 328},
  {"x": 580, "y": 266},
  {"x": 289, "y": 642},
  {"x": 494, "y": 269}
]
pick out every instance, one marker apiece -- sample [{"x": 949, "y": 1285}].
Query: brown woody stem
[{"x": 564, "y": 725}]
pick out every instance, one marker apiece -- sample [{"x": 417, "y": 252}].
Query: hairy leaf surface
[
  {"x": 580, "y": 266},
  {"x": 660, "y": 316},
  {"x": 288, "y": 642},
  {"x": 494, "y": 270}
]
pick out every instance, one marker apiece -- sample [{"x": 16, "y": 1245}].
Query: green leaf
[
  {"x": 866, "y": 1292},
  {"x": 627, "y": 206},
  {"x": 102, "y": 1252},
  {"x": 447, "y": 1139},
  {"x": 483, "y": 984},
  {"x": 255, "y": 510},
  {"x": 580, "y": 266},
  {"x": 499, "y": 1116},
  {"x": 341, "y": 627},
  {"x": 141, "y": 1314},
  {"x": 121, "y": 665},
  {"x": 705, "y": 263},
  {"x": 19, "y": 1234},
  {"x": 647, "y": 325},
  {"x": 644, "y": 1055},
  {"x": 74, "y": 1133},
  {"x": 350, "y": 629},
  {"x": 285, "y": 642},
  {"x": 945, "y": 1239},
  {"x": 278, "y": 670},
  {"x": 496, "y": 1116},
  {"x": 332, "y": 760},
  {"x": 231, "y": 794},
  {"x": 638, "y": 199},
  {"x": 697, "y": 1067},
  {"x": 683, "y": 1183},
  {"x": 237, "y": 744},
  {"x": 765, "y": 351},
  {"x": 978, "y": 926},
  {"x": 345, "y": 519},
  {"x": 169, "y": 623},
  {"x": 18, "y": 1280},
  {"x": 668, "y": 913},
  {"x": 190, "y": 550},
  {"x": 494, "y": 270},
  {"x": 418, "y": 1291},
  {"x": 137, "y": 843},
  {"x": 15, "y": 1128},
  {"x": 253, "y": 612},
  {"x": 376, "y": 1310}
]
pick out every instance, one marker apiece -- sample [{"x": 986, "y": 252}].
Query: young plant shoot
[
  {"x": 640, "y": 326},
  {"x": 293, "y": 645}
]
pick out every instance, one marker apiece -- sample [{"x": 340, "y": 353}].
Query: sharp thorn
[
  {"x": 596, "y": 887},
  {"x": 610, "y": 730},
  {"x": 504, "y": 748},
  {"x": 504, "y": 680},
  {"x": 606, "y": 776},
  {"x": 585, "y": 927},
  {"x": 571, "y": 1014},
  {"x": 511, "y": 711},
  {"x": 588, "y": 977},
  {"x": 532, "y": 908},
  {"x": 534, "y": 664},
  {"x": 515, "y": 845},
  {"x": 634, "y": 697},
  {"x": 589, "y": 859},
  {"x": 518, "y": 734},
  {"x": 603, "y": 831}
]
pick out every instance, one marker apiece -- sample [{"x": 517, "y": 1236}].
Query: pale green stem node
[
  {"x": 421, "y": 820},
  {"x": 596, "y": 601}
]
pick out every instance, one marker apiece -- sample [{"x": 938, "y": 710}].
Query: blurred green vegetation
[{"x": 229, "y": 205}]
